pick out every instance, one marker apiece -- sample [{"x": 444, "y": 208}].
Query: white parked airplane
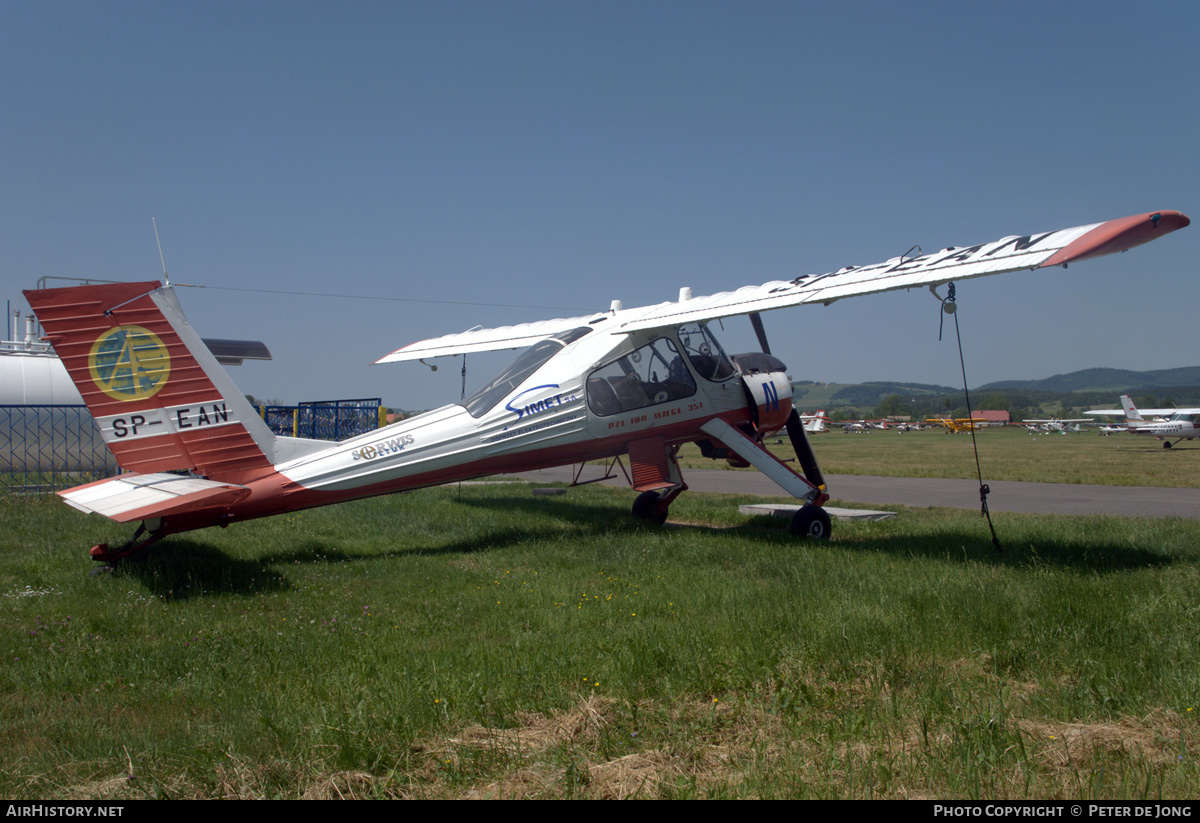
[
  {"x": 1180, "y": 424},
  {"x": 815, "y": 423},
  {"x": 1134, "y": 416},
  {"x": 640, "y": 381},
  {"x": 1055, "y": 425}
]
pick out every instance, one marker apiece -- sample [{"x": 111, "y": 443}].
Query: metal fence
[
  {"x": 325, "y": 419},
  {"x": 44, "y": 448},
  {"x": 49, "y": 447}
]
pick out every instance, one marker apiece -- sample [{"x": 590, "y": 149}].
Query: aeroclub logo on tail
[{"x": 129, "y": 363}]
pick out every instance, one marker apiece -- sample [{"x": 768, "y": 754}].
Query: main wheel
[
  {"x": 1166, "y": 444},
  {"x": 648, "y": 506},
  {"x": 812, "y": 523}
]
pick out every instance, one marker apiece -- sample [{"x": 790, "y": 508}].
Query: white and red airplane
[
  {"x": 1165, "y": 424},
  {"x": 816, "y": 423},
  {"x": 640, "y": 381}
]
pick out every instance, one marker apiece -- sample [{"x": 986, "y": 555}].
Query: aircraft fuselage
[{"x": 591, "y": 399}]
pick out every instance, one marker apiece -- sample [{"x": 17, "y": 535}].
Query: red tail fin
[{"x": 158, "y": 395}]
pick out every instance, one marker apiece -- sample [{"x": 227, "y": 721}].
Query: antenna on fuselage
[{"x": 166, "y": 276}]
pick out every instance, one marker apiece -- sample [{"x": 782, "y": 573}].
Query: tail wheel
[
  {"x": 812, "y": 523},
  {"x": 649, "y": 507}
]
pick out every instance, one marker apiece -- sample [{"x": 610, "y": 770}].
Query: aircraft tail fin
[
  {"x": 158, "y": 395},
  {"x": 1131, "y": 412}
]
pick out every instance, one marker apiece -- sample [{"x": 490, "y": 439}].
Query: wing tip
[{"x": 1119, "y": 235}]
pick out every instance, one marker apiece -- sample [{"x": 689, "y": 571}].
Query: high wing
[
  {"x": 1143, "y": 412},
  {"x": 1008, "y": 254},
  {"x": 498, "y": 339}
]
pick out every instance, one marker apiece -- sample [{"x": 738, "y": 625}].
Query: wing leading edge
[
  {"x": 1033, "y": 251},
  {"x": 497, "y": 339}
]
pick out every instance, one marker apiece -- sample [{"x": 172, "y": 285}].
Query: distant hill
[
  {"x": 1114, "y": 381},
  {"x": 833, "y": 395},
  {"x": 1051, "y": 395},
  {"x": 868, "y": 394}
]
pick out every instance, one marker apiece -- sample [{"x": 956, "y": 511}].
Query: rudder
[
  {"x": 1131, "y": 412},
  {"x": 158, "y": 395}
]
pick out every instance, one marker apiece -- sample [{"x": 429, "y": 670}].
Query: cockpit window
[
  {"x": 653, "y": 374},
  {"x": 705, "y": 353},
  {"x": 519, "y": 370}
]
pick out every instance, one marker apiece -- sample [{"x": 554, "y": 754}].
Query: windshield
[
  {"x": 519, "y": 370},
  {"x": 705, "y": 353},
  {"x": 653, "y": 374}
]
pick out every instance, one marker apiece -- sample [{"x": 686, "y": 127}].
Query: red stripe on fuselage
[{"x": 276, "y": 494}]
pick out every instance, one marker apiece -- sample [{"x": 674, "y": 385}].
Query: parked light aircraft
[
  {"x": 639, "y": 382},
  {"x": 860, "y": 426},
  {"x": 1180, "y": 424},
  {"x": 1055, "y": 425},
  {"x": 1134, "y": 417},
  {"x": 815, "y": 423},
  {"x": 955, "y": 425}
]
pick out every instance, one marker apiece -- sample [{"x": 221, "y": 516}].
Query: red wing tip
[
  {"x": 1119, "y": 235},
  {"x": 1170, "y": 220}
]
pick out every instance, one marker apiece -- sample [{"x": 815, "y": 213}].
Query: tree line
[{"x": 1021, "y": 404}]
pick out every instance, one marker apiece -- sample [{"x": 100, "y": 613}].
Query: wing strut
[
  {"x": 760, "y": 330},
  {"x": 767, "y": 463},
  {"x": 804, "y": 452},
  {"x": 795, "y": 427}
]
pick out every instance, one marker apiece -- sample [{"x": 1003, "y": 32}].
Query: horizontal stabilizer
[{"x": 130, "y": 497}]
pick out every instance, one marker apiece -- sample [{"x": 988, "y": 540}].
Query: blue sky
[{"x": 538, "y": 159}]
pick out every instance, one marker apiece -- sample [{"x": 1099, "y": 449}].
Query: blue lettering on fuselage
[{"x": 527, "y": 409}]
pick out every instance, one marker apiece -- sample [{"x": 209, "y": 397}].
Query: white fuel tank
[{"x": 35, "y": 379}]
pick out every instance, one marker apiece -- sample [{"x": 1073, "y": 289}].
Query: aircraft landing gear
[
  {"x": 812, "y": 523},
  {"x": 1166, "y": 444},
  {"x": 649, "y": 506},
  {"x": 104, "y": 554},
  {"x": 652, "y": 506}
]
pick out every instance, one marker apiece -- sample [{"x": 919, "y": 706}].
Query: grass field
[
  {"x": 1009, "y": 453},
  {"x": 483, "y": 642}
]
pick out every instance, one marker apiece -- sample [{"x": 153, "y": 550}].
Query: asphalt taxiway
[{"x": 1005, "y": 496}]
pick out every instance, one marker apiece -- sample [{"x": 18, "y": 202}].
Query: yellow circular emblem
[{"x": 129, "y": 363}]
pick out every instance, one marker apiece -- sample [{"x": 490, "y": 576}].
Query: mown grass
[
  {"x": 1008, "y": 453},
  {"x": 480, "y": 641}
]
